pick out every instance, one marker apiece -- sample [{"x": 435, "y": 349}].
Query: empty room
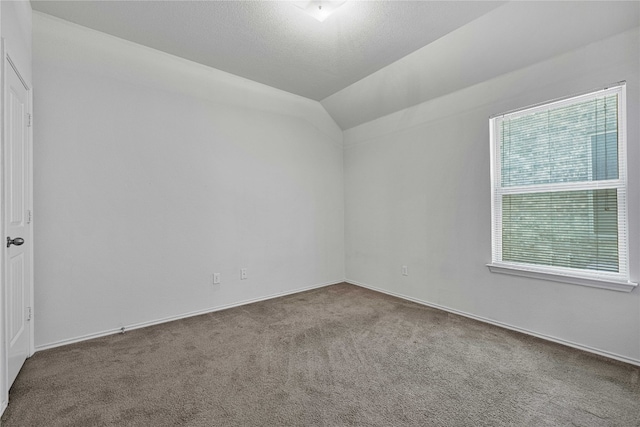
[{"x": 320, "y": 213}]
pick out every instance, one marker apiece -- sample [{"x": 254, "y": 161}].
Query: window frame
[{"x": 618, "y": 281}]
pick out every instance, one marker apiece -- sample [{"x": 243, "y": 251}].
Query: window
[{"x": 559, "y": 191}]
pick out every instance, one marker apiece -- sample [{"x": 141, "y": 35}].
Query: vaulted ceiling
[
  {"x": 369, "y": 58},
  {"x": 275, "y": 42}
]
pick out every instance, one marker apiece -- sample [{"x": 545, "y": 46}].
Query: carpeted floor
[{"x": 335, "y": 356}]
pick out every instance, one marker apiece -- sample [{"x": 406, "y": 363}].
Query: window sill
[{"x": 582, "y": 281}]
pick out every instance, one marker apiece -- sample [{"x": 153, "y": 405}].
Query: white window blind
[{"x": 560, "y": 188}]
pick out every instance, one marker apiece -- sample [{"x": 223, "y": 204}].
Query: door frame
[{"x": 4, "y": 377}]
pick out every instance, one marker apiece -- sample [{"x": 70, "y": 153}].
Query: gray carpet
[{"x": 335, "y": 356}]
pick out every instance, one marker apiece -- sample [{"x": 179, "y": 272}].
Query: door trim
[{"x": 4, "y": 364}]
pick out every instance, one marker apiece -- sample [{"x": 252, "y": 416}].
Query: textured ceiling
[
  {"x": 516, "y": 35},
  {"x": 274, "y": 42}
]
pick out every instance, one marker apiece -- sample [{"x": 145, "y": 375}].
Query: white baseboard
[
  {"x": 3, "y": 406},
  {"x": 178, "y": 317},
  {"x": 503, "y": 325}
]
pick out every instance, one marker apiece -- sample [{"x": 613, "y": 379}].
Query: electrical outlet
[
  {"x": 216, "y": 278},
  {"x": 243, "y": 273},
  {"x": 405, "y": 270}
]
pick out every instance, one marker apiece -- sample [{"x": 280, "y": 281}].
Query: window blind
[{"x": 560, "y": 187}]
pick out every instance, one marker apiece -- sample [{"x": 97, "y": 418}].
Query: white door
[{"x": 17, "y": 245}]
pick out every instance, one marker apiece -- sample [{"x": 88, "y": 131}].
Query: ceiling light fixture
[{"x": 319, "y": 9}]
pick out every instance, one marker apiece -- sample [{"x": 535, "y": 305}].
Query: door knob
[{"x": 17, "y": 241}]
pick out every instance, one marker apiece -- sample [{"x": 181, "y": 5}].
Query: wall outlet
[
  {"x": 216, "y": 278},
  {"x": 405, "y": 270},
  {"x": 243, "y": 273}
]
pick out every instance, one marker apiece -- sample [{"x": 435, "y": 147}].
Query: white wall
[
  {"x": 153, "y": 172},
  {"x": 417, "y": 193}
]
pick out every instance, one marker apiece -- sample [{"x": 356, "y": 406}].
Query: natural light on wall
[{"x": 319, "y": 9}]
